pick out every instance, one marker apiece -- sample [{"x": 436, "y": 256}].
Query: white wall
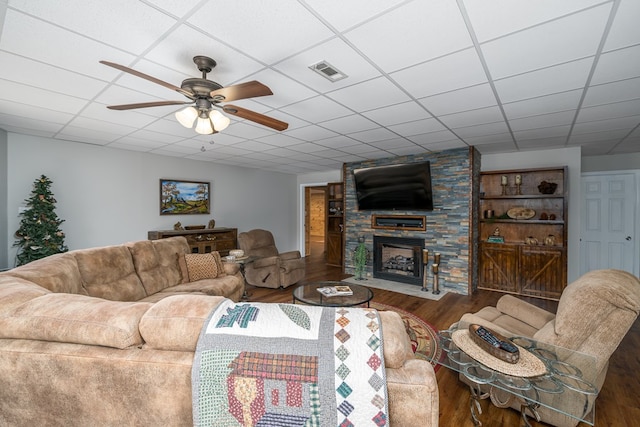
[
  {"x": 4, "y": 185},
  {"x": 108, "y": 196},
  {"x": 615, "y": 162},
  {"x": 551, "y": 158}
]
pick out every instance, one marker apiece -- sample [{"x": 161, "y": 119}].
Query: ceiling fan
[{"x": 206, "y": 95}]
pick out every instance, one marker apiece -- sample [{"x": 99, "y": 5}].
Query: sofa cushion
[
  {"x": 203, "y": 266},
  {"x": 58, "y": 273},
  {"x": 108, "y": 273},
  {"x": 175, "y": 322},
  {"x": 15, "y": 291},
  {"x": 76, "y": 319},
  {"x": 156, "y": 270}
]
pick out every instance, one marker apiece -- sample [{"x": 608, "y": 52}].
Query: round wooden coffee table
[{"x": 308, "y": 294}]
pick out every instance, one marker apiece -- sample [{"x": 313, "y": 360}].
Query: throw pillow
[{"x": 196, "y": 267}]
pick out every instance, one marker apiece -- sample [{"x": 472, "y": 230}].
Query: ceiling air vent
[{"x": 328, "y": 71}]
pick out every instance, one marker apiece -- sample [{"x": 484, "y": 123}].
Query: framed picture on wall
[{"x": 179, "y": 197}]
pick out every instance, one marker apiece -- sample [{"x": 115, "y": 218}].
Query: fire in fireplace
[{"x": 398, "y": 259}]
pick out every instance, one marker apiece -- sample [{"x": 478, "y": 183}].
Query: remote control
[
  {"x": 494, "y": 341},
  {"x": 488, "y": 337}
]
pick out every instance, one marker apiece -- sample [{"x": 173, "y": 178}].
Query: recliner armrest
[
  {"x": 263, "y": 262},
  {"x": 289, "y": 255},
  {"x": 523, "y": 311}
]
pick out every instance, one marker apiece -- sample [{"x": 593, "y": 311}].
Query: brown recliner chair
[
  {"x": 271, "y": 269},
  {"x": 594, "y": 314}
]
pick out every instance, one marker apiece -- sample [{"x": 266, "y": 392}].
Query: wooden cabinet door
[
  {"x": 334, "y": 248},
  {"x": 498, "y": 267},
  {"x": 542, "y": 272}
]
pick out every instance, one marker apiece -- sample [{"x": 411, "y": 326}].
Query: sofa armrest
[
  {"x": 395, "y": 341},
  {"x": 524, "y": 312},
  {"x": 230, "y": 268},
  {"x": 175, "y": 322},
  {"x": 289, "y": 255},
  {"x": 413, "y": 395}
]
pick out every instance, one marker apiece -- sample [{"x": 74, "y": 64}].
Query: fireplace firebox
[{"x": 398, "y": 259}]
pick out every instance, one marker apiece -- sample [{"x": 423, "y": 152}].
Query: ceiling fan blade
[
  {"x": 250, "y": 89},
  {"x": 148, "y": 77},
  {"x": 255, "y": 117},
  {"x": 146, "y": 104}
]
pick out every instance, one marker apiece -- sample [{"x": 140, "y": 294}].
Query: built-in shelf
[{"x": 399, "y": 222}]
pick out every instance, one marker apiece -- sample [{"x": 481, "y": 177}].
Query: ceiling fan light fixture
[
  {"x": 187, "y": 116},
  {"x": 219, "y": 120},
  {"x": 203, "y": 126}
]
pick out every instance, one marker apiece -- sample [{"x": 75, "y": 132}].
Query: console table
[{"x": 204, "y": 240}]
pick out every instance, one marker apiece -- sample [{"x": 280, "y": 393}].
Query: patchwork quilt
[{"x": 265, "y": 364}]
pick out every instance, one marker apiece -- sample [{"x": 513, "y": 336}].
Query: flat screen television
[{"x": 394, "y": 187}]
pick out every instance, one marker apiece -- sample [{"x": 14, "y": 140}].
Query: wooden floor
[{"x": 618, "y": 404}]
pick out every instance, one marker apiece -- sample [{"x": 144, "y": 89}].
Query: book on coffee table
[{"x": 335, "y": 291}]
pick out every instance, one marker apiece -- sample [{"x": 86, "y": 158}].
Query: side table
[{"x": 565, "y": 386}]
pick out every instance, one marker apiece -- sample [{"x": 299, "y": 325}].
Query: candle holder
[
  {"x": 425, "y": 263},
  {"x": 436, "y": 279},
  {"x": 518, "y": 184},
  {"x": 504, "y": 181}
]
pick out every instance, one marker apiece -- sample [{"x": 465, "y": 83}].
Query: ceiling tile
[
  {"x": 343, "y": 15},
  {"x": 29, "y": 37},
  {"x": 560, "y": 78},
  {"x": 316, "y": 110},
  {"x": 338, "y": 142},
  {"x": 269, "y": 31},
  {"x": 372, "y": 135},
  {"x": 311, "y": 133},
  {"x": 280, "y": 140},
  {"x": 540, "y": 133},
  {"x": 570, "y": 38},
  {"x": 49, "y": 101},
  {"x": 618, "y": 65},
  {"x": 452, "y": 72},
  {"x": 624, "y": 31},
  {"x": 245, "y": 130},
  {"x": 481, "y": 130},
  {"x": 474, "y": 117},
  {"x": 620, "y": 123},
  {"x": 542, "y": 143},
  {"x": 544, "y": 104},
  {"x": 417, "y": 127},
  {"x": 29, "y": 122},
  {"x": 612, "y": 92},
  {"x": 500, "y": 17},
  {"x": 349, "y": 124},
  {"x": 385, "y": 40},
  {"x": 433, "y": 137},
  {"x": 337, "y": 53},
  {"x": 490, "y": 139},
  {"x": 19, "y": 109},
  {"x": 369, "y": 95},
  {"x": 398, "y": 113},
  {"x": 469, "y": 98},
  {"x": 543, "y": 120},
  {"x": 610, "y": 111}
]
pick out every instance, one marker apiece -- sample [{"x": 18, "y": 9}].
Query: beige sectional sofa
[{"x": 106, "y": 337}]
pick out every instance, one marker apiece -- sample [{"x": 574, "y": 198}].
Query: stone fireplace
[
  {"x": 450, "y": 229},
  {"x": 398, "y": 259}
]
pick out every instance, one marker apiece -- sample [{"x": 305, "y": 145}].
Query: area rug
[{"x": 423, "y": 336}]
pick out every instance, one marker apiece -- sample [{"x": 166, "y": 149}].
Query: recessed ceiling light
[{"x": 328, "y": 71}]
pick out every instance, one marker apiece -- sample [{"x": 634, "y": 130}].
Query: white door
[{"x": 608, "y": 222}]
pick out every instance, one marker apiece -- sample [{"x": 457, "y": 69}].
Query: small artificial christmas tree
[{"x": 39, "y": 234}]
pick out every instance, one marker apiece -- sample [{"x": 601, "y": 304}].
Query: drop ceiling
[{"x": 500, "y": 75}]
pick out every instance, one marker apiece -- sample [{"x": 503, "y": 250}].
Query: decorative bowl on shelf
[
  {"x": 547, "y": 187},
  {"x": 521, "y": 213},
  {"x": 238, "y": 253},
  {"x": 194, "y": 227}
]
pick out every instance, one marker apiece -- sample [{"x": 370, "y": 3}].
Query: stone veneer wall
[{"x": 452, "y": 226}]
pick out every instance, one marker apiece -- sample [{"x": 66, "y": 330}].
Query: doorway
[
  {"x": 315, "y": 216},
  {"x": 609, "y": 222}
]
